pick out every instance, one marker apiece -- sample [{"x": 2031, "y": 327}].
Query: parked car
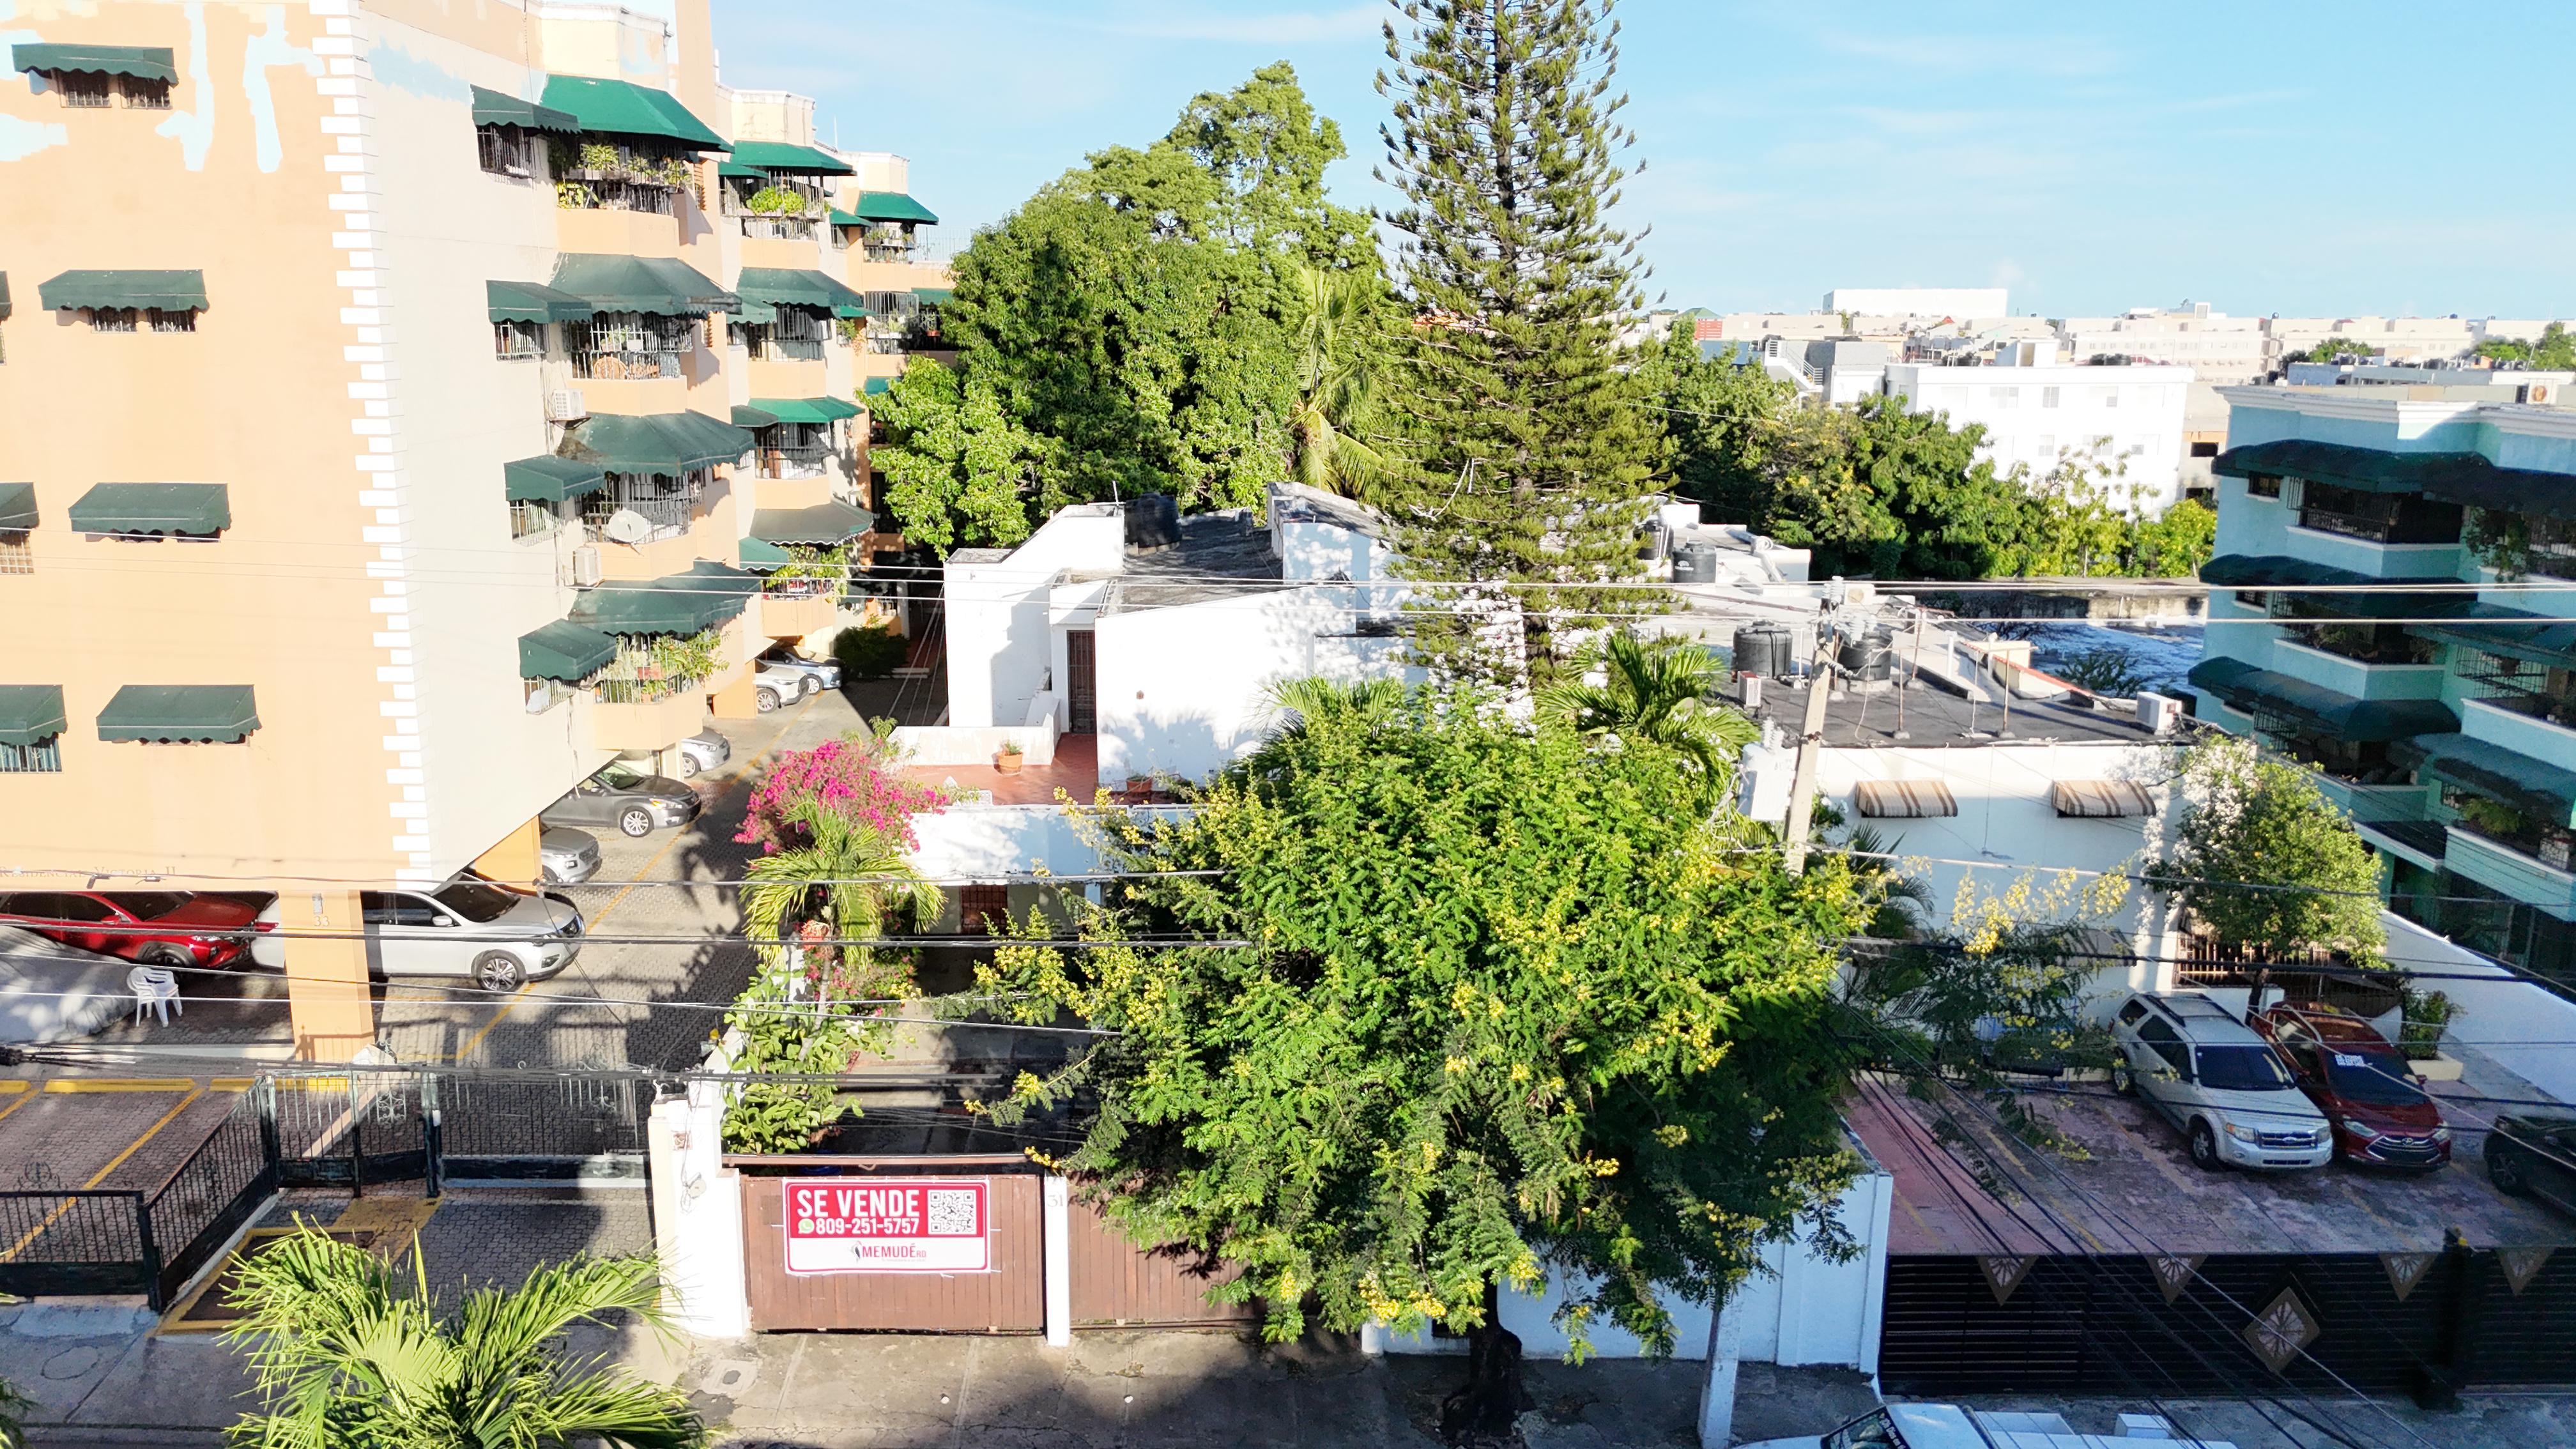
[
  {"x": 775, "y": 684},
  {"x": 150, "y": 928},
  {"x": 627, "y": 798},
  {"x": 1947, "y": 1426},
  {"x": 566, "y": 856},
  {"x": 500, "y": 939},
  {"x": 2381, "y": 1113},
  {"x": 2534, "y": 1156},
  {"x": 824, "y": 673},
  {"x": 2222, "y": 1086},
  {"x": 702, "y": 751}
]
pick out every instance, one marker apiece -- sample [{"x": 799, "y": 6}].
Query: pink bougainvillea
[{"x": 841, "y": 776}]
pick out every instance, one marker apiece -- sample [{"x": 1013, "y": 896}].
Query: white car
[
  {"x": 498, "y": 939},
  {"x": 1947, "y": 1426},
  {"x": 2222, "y": 1086},
  {"x": 774, "y": 684},
  {"x": 701, "y": 752},
  {"x": 824, "y": 673}
]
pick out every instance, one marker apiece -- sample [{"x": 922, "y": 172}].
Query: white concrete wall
[
  {"x": 2139, "y": 410},
  {"x": 2521, "y": 1027},
  {"x": 486, "y": 765},
  {"x": 1802, "y": 1309},
  {"x": 1000, "y": 643},
  {"x": 1184, "y": 690}
]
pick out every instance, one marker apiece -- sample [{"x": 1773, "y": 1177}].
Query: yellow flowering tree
[{"x": 1515, "y": 1007}]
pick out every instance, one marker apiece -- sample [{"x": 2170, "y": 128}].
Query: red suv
[
  {"x": 2381, "y": 1113},
  {"x": 154, "y": 928}
]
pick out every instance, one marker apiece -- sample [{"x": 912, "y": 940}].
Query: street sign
[{"x": 888, "y": 1225}]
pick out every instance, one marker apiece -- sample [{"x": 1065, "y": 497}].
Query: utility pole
[{"x": 1811, "y": 740}]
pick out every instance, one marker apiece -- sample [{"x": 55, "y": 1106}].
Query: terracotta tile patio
[{"x": 1076, "y": 771}]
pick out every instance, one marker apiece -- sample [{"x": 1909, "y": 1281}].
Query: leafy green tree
[
  {"x": 964, "y": 475},
  {"x": 345, "y": 1359},
  {"x": 1530, "y": 443},
  {"x": 1343, "y": 334},
  {"x": 1515, "y": 1006},
  {"x": 2175, "y": 543},
  {"x": 2332, "y": 349},
  {"x": 2555, "y": 351},
  {"x": 2263, "y": 861},
  {"x": 1655, "y": 692}
]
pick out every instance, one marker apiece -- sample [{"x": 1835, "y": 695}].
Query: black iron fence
[{"x": 139, "y": 1240}]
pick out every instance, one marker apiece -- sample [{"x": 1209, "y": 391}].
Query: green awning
[
  {"x": 30, "y": 713},
  {"x": 935, "y": 296},
  {"x": 891, "y": 206},
  {"x": 492, "y": 108},
  {"x": 169, "y": 291},
  {"x": 533, "y": 302},
  {"x": 143, "y": 62},
  {"x": 735, "y": 170},
  {"x": 853, "y": 310},
  {"x": 546, "y": 478},
  {"x": 2511, "y": 633},
  {"x": 753, "y": 417},
  {"x": 878, "y": 386},
  {"x": 668, "y": 444},
  {"x": 169, "y": 714},
  {"x": 760, "y": 553},
  {"x": 2303, "y": 578},
  {"x": 2284, "y": 703},
  {"x": 564, "y": 651},
  {"x": 806, "y": 409},
  {"x": 4, "y": 297},
  {"x": 795, "y": 160},
  {"x": 191, "y": 508},
  {"x": 2534, "y": 787},
  {"x": 782, "y": 287},
  {"x": 658, "y": 285},
  {"x": 825, "y": 525},
  {"x": 623, "y": 108},
  {"x": 2453, "y": 477},
  {"x": 707, "y": 595},
  {"x": 17, "y": 506}
]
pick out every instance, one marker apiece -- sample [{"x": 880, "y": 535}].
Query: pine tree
[{"x": 1530, "y": 446}]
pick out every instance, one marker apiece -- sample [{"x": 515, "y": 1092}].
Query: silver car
[
  {"x": 567, "y": 856},
  {"x": 703, "y": 751},
  {"x": 2222, "y": 1087},
  {"x": 626, "y": 797},
  {"x": 774, "y": 685},
  {"x": 824, "y": 673},
  {"x": 499, "y": 939}
]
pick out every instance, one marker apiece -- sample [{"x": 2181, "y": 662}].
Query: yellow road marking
[
  {"x": 22, "y": 1101},
  {"x": 99, "y": 1176},
  {"x": 476, "y": 1040},
  {"x": 6, "y": 1088},
  {"x": 123, "y": 1084}
]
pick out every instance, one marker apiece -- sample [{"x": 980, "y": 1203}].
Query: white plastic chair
[{"x": 155, "y": 990}]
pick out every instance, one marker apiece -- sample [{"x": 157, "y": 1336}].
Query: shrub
[
  {"x": 2419, "y": 1034},
  {"x": 871, "y": 652}
]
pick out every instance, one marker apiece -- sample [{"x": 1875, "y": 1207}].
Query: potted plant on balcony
[{"x": 1008, "y": 759}]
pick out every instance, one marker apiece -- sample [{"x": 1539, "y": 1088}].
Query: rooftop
[{"x": 1219, "y": 555}]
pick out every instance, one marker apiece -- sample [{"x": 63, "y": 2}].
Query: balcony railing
[
  {"x": 782, "y": 228},
  {"x": 645, "y": 691},
  {"x": 629, "y": 366},
  {"x": 787, "y": 349},
  {"x": 796, "y": 462},
  {"x": 582, "y": 191},
  {"x": 669, "y": 515}
]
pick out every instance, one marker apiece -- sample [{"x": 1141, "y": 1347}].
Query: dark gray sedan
[{"x": 627, "y": 798}]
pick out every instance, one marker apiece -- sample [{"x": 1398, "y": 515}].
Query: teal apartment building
[{"x": 2442, "y": 717}]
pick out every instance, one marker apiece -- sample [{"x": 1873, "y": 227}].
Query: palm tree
[
  {"x": 845, "y": 874},
  {"x": 1655, "y": 693},
  {"x": 14, "y": 1408},
  {"x": 1336, "y": 382},
  {"x": 347, "y": 1360},
  {"x": 1301, "y": 702}
]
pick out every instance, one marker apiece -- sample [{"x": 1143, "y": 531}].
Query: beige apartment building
[{"x": 405, "y": 408}]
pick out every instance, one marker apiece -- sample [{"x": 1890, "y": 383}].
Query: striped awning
[
  {"x": 1904, "y": 799},
  {"x": 2100, "y": 799}
]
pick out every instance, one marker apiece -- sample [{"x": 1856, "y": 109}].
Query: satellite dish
[{"x": 628, "y": 526}]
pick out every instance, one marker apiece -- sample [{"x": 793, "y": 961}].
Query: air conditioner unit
[
  {"x": 2158, "y": 714},
  {"x": 563, "y": 405},
  {"x": 2543, "y": 394},
  {"x": 581, "y": 567}
]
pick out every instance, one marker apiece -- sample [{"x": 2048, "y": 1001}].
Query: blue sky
[{"x": 2284, "y": 157}]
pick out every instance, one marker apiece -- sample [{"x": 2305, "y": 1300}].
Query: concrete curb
[{"x": 123, "y": 1436}]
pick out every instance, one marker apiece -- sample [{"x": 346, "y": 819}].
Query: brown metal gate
[
  {"x": 1009, "y": 1299},
  {"x": 1082, "y": 683},
  {"x": 1118, "y": 1285}
]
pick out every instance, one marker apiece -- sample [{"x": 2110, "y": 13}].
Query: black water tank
[
  {"x": 1153, "y": 521},
  {"x": 1695, "y": 563},
  {"x": 1762, "y": 649},
  {"x": 1650, "y": 544},
  {"x": 1868, "y": 657}
]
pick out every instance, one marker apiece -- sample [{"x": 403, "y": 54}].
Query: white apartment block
[
  {"x": 2220, "y": 350},
  {"x": 1957, "y": 303},
  {"x": 2038, "y": 410}
]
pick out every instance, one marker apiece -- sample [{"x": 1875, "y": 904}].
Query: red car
[
  {"x": 2381, "y": 1113},
  {"x": 152, "y": 928}
]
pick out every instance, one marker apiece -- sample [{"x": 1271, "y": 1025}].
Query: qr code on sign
[{"x": 952, "y": 1212}]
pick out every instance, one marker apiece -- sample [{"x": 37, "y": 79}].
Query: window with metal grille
[
  {"x": 44, "y": 757},
  {"x": 545, "y": 694},
  {"x": 113, "y": 319},
  {"x": 982, "y": 908},
  {"x": 518, "y": 341},
  {"x": 180, "y": 321},
  {"x": 2048, "y": 397},
  {"x": 537, "y": 519},
  {"x": 15, "y": 556},
  {"x": 143, "y": 95},
  {"x": 504, "y": 151},
  {"x": 83, "y": 89},
  {"x": 628, "y": 345},
  {"x": 2263, "y": 485}
]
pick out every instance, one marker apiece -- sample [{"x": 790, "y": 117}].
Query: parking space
[
  {"x": 84, "y": 1133},
  {"x": 2134, "y": 1188}
]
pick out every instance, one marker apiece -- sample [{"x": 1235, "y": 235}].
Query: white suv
[{"x": 2219, "y": 1083}]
